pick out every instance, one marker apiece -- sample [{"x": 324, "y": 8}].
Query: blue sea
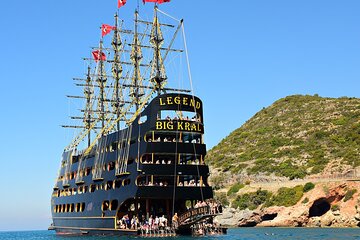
[{"x": 239, "y": 233}]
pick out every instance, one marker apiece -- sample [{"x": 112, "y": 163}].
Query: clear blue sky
[{"x": 244, "y": 55}]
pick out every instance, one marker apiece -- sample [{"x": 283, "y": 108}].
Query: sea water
[{"x": 239, "y": 233}]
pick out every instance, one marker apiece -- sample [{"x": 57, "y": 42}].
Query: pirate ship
[{"x": 143, "y": 154}]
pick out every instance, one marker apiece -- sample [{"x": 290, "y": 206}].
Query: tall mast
[
  {"x": 101, "y": 80},
  {"x": 118, "y": 100},
  {"x": 136, "y": 55},
  {"x": 88, "y": 92},
  {"x": 158, "y": 74}
]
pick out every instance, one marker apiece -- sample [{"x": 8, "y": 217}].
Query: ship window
[
  {"x": 54, "y": 209},
  {"x": 77, "y": 208},
  {"x": 105, "y": 205},
  {"x": 92, "y": 188},
  {"x": 117, "y": 183},
  {"x": 113, "y": 146},
  {"x": 74, "y": 159},
  {"x": 111, "y": 166},
  {"x": 114, "y": 204},
  {"x": 81, "y": 190},
  {"x": 179, "y": 115},
  {"x": 130, "y": 161},
  {"x": 72, "y": 207},
  {"x": 68, "y": 207},
  {"x": 108, "y": 185},
  {"x": 142, "y": 119},
  {"x": 87, "y": 171},
  {"x": 64, "y": 208},
  {"x": 126, "y": 182},
  {"x": 82, "y": 207}
]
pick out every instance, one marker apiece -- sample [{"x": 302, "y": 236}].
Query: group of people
[
  {"x": 134, "y": 223},
  {"x": 176, "y": 118},
  {"x": 159, "y": 224},
  {"x": 169, "y": 139},
  {"x": 191, "y": 183},
  {"x": 150, "y": 183},
  {"x": 164, "y": 161},
  {"x": 214, "y": 206},
  {"x": 158, "y": 162},
  {"x": 206, "y": 228}
]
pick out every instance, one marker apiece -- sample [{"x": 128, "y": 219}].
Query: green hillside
[{"x": 296, "y": 136}]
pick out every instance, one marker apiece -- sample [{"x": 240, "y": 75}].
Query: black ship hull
[{"x": 155, "y": 167}]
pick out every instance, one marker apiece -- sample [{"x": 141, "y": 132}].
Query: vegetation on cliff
[
  {"x": 295, "y": 137},
  {"x": 283, "y": 197}
]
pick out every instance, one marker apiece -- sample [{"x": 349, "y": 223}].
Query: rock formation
[{"x": 327, "y": 205}]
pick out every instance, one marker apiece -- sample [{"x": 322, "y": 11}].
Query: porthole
[
  {"x": 72, "y": 207},
  {"x": 126, "y": 182},
  {"x": 82, "y": 207},
  {"x": 105, "y": 205},
  {"x": 87, "y": 171},
  {"x": 113, "y": 205},
  {"x": 77, "y": 207},
  {"x": 110, "y": 166},
  {"x": 117, "y": 183},
  {"x": 92, "y": 188},
  {"x": 108, "y": 185}
]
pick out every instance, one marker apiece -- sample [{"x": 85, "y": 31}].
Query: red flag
[
  {"x": 106, "y": 29},
  {"x": 97, "y": 55},
  {"x": 156, "y": 1},
  {"x": 121, "y": 3}
]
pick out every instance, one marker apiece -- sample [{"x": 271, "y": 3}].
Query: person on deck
[{"x": 175, "y": 220}]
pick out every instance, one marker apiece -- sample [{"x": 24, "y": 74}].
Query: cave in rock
[
  {"x": 269, "y": 216},
  {"x": 319, "y": 208}
]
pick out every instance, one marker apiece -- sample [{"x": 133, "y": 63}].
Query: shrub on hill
[
  {"x": 221, "y": 197},
  {"x": 251, "y": 200},
  {"x": 349, "y": 194},
  {"x": 308, "y": 186},
  {"x": 235, "y": 188},
  {"x": 286, "y": 196}
]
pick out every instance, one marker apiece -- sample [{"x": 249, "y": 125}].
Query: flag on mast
[
  {"x": 156, "y": 1},
  {"x": 98, "y": 55},
  {"x": 121, "y": 3},
  {"x": 106, "y": 29}
]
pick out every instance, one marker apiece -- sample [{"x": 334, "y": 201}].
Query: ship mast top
[
  {"x": 158, "y": 75},
  {"x": 117, "y": 70}
]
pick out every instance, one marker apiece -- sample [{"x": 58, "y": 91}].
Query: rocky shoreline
[{"x": 327, "y": 205}]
